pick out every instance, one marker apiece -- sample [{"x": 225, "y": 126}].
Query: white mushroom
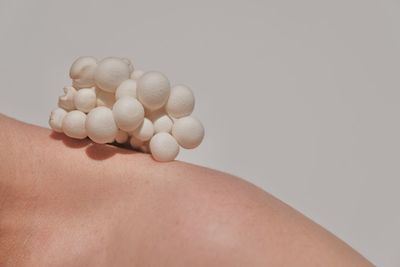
[
  {"x": 110, "y": 73},
  {"x": 73, "y": 124},
  {"x": 104, "y": 98},
  {"x": 67, "y": 100},
  {"x": 82, "y": 72},
  {"x": 128, "y": 113},
  {"x": 56, "y": 118},
  {"x": 100, "y": 125},
  {"x": 188, "y": 131},
  {"x": 121, "y": 137},
  {"x": 164, "y": 147},
  {"x": 85, "y": 99},
  {"x": 126, "y": 88},
  {"x": 136, "y": 74},
  {"x": 163, "y": 123},
  {"x": 180, "y": 102},
  {"x": 145, "y": 130},
  {"x": 153, "y": 90}
]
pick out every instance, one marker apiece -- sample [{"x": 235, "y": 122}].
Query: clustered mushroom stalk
[{"x": 112, "y": 102}]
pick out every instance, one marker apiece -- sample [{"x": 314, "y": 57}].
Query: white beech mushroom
[
  {"x": 128, "y": 113},
  {"x": 126, "y": 105},
  {"x": 126, "y": 88},
  {"x": 188, "y": 132},
  {"x": 145, "y": 130},
  {"x": 163, "y": 123},
  {"x": 110, "y": 73},
  {"x": 100, "y": 125},
  {"x": 56, "y": 119},
  {"x": 82, "y": 72},
  {"x": 85, "y": 99},
  {"x": 66, "y": 101},
  {"x": 73, "y": 124},
  {"x": 104, "y": 98},
  {"x": 163, "y": 147},
  {"x": 153, "y": 90},
  {"x": 136, "y": 74},
  {"x": 180, "y": 102}
]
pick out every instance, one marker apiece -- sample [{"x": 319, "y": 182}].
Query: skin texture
[{"x": 66, "y": 202}]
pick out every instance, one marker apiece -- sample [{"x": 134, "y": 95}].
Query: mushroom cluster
[{"x": 110, "y": 101}]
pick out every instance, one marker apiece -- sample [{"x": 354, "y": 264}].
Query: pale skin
[{"x": 67, "y": 202}]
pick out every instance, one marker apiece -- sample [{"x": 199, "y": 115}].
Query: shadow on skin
[{"x": 93, "y": 150}]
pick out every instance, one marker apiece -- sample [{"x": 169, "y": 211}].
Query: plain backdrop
[{"x": 301, "y": 98}]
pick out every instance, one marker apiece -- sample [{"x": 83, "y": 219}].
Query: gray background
[{"x": 299, "y": 97}]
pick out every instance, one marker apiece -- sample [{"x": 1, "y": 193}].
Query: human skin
[{"x": 66, "y": 202}]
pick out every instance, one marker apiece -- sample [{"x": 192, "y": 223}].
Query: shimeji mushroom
[
  {"x": 125, "y": 105},
  {"x": 100, "y": 125},
  {"x": 82, "y": 72},
  {"x": 163, "y": 147},
  {"x": 128, "y": 113},
  {"x": 188, "y": 132},
  {"x": 145, "y": 130},
  {"x": 56, "y": 119},
  {"x": 153, "y": 90},
  {"x": 67, "y": 100},
  {"x": 163, "y": 123},
  {"x": 180, "y": 102},
  {"x": 110, "y": 73},
  {"x": 126, "y": 88},
  {"x": 85, "y": 99},
  {"x": 73, "y": 124}
]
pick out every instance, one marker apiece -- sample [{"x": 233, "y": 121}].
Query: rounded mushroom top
[
  {"x": 110, "y": 73},
  {"x": 153, "y": 89},
  {"x": 82, "y": 72},
  {"x": 180, "y": 102}
]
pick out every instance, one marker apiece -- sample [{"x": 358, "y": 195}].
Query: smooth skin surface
[{"x": 67, "y": 202}]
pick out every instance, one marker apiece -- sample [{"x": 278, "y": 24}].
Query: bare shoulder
[
  {"x": 217, "y": 219},
  {"x": 134, "y": 211}
]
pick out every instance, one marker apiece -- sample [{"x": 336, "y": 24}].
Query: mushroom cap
[
  {"x": 188, "y": 132},
  {"x": 164, "y": 147},
  {"x": 126, "y": 88},
  {"x": 66, "y": 101},
  {"x": 153, "y": 89},
  {"x": 85, "y": 99},
  {"x": 73, "y": 124},
  {"x": 110, "y": 73},
  {"x": 180, "y": 102},
  {"x": 82, "y": 72},
  {"x": 100, "y": 125},
  {"x": 56, "y": 119},
  {"x": 145, "y": 130},
  {"x": 128, "y": 113},
  {"x": 163, "y": 123}
]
